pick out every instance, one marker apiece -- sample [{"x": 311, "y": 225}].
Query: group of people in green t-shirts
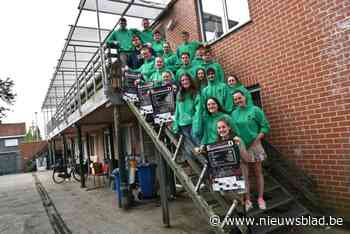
[{"x": 209, "y": 108}]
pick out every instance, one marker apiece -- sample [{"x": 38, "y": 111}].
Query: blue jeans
[{"x": 187, "y": 132}]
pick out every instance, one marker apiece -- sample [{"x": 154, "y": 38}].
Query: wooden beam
[
  {"x": 124, "y": 201},
  {"x": 163, "y": 190},
  {"x": 81, "y": 163}
]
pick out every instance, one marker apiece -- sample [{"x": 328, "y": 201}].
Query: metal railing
[{"x": 88, "y": 83}]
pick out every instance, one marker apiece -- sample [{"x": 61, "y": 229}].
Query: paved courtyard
[
  {"x": 68, "y": 208},
  {"x": 94, "y": 211}
]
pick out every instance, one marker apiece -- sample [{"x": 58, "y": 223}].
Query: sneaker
[
  {"x": 261, "y": 203},
  {"x": 248, "y": 205}
]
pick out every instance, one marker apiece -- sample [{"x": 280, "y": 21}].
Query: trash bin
[
  {"x": 147, "y": 176},
  {"x": 115, "y": 174}
]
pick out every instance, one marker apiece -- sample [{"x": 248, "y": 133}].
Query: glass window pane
[
  {"x": 237, "y": 12},
  {"x": 213, "y": 15},
  {"x": 11, "y": 142}
]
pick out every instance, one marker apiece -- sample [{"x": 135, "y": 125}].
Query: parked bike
[{"x": 63, "y": 172}]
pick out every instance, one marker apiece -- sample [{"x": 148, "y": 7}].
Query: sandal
[{"x": 261, "y": 203}]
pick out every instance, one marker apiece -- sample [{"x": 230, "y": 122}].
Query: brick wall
[
  {"x": 183, "y": 14},
  {"x": 29, "y": 150},
  {"x": 299, "y": 53},
  {"x": 12, "y": 129}
]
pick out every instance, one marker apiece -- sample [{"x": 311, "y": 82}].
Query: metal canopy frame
[
  {"x": 84, "y": 42},
  {"x": 81, "y": 67}
]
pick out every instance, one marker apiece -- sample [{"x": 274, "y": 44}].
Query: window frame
[{"x": 227, "y": 31}]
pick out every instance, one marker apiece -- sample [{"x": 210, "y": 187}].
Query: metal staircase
[{"x": 280, "y": 203}]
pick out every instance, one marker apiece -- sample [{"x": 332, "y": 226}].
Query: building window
[
  {"x": 11, "y": 142},
  {"x": 256, "y": 94},
  {"x": 219, "y": 17}
]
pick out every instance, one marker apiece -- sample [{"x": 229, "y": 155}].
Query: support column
[
  {"x": 124, "y": 201},
  {"x": 81, "y": 163},
  {"x": 88, "y": 151},
  {"x": 64, "y": 151},
  {"x": 163, "y": 190},
  {"x": 49, "y": 149},
  {"x": 111, "y": 144},
  {"x": 142, "y": 147},
  {"x": 54, "y": 150}
]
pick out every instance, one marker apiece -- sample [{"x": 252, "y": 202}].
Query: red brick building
[
  {"x": 29, "y": 150},
  {"x": 298, "y": 53}
]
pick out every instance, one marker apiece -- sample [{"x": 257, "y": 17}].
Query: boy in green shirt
[
  {"x": 146, "y": 34},
  {"x": 218, "y": 90},
  {"x": 186, "y": 67},
  {"x": 171, "y": 61},
  {"x": 187, "y": 46},
  {"x": 209, "y": 62},
  {"x": 157, "y": 44},
  {"x": 121, "y": 39},
  {"x": 147, "y": 67}
]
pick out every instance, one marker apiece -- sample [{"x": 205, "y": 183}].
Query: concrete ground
[{"x": 95, "y": 211}]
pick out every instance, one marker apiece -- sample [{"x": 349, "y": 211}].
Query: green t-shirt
[
  {"x": 146, "y": 36},
  {"x": 184, "y": 69},
  {"x": 189, "y": 47},
  {"x": 171, "y": 61},
  {"x": 249, "y": 122},
  {"x": 220, "y": 75},
  {"x": 146, "y": 69},
  {"x": 158, "y": 48},
  {"x": 210, "y": 135},
  {"x": 186, "y": 111},
  {"x": 124, "y": 37},
  {"x": 221, "y": 92},
  {"x": 157, "y": 77},
  {"x": 246, "y": 93}
]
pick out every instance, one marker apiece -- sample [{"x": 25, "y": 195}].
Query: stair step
[
  {"x": 292, "y": 209},
  {"x": 274, "y": 198},
  {"x": 271, "y": 188}
]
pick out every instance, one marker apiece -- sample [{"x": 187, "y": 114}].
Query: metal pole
[
  {"x": 44, "y": 117},
  {"x": 51, "y": 117},
  {"x": 77, "y": 79},
  {"x": 64, "y": 97},
  {"x": 81, "y": 163},
  {"x": 163, "y": 190},
  {"x": 104, "y": 74},
  {"x": 142, "y": 147},
  {"x": 56, "y": 102},
  {"x": 124, "y": 201},
  {"x": 93, "y": 77}
]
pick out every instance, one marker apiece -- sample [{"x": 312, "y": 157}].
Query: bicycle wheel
[
  {"x": 57, "y": 178},
  {"x": 76, "y": 175}
]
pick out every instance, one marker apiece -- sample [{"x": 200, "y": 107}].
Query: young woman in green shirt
[
  {"x": 252, "y": 126},
  {"x": 225, "y": 132},
  {"x": 211, "y": 115},
  {"x": 187, "y": 112},
  {"x": 234, "y": 85}
]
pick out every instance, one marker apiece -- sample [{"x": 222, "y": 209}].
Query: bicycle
[{"x": 63, "y": 172}]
